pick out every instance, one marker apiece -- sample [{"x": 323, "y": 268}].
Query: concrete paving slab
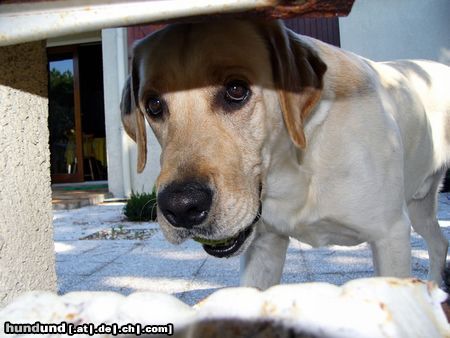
[{"x": 185, "y": 270}]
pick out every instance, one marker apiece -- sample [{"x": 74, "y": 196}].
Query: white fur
[
  {"x": 371, "y": 169},
  {"x": 377, "y": 143}
]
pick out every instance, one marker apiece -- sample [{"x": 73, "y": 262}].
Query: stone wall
[{"x": 26, "y": 236}]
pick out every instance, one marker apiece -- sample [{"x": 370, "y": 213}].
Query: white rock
[{"x": 374, "y": 307}]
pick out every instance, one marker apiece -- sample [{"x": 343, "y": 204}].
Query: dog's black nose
[{"x": 185, "y": 204}]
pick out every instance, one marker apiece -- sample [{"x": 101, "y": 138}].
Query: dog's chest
[{"x": 293, "y": 206}]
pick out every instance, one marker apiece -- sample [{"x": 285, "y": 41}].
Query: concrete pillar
[
  {"x": 122, "y": 156},
  {"x": 26, "y": 236},
  {"x": 115, "y": 71}
]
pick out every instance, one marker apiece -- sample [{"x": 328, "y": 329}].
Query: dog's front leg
[
  {"x": 392, "y": 254},
  {"x": 262, "y": 263}
]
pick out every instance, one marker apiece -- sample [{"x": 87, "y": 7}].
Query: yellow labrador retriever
[{"x": 266, "y": 134}]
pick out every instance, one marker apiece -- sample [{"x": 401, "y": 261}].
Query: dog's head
[{"x": 215, "y": 94}]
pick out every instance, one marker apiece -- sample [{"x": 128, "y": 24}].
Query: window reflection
[{"x": 61, "y": 117}]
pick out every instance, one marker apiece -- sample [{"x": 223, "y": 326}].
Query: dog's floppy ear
[
  {"x": 298, "y": 74},
  {"x": 132, "y": 116},
  {"x": 127, "y": 110}
]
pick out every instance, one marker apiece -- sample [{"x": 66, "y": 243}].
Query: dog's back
[{"x": 429, "y": 82}]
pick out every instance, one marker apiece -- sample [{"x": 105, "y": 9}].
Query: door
[
  {"x": 325, "y": 29},
  {"x": 64, "y": 121}
]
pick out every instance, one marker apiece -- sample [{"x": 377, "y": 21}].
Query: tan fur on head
[
  {"x": 133, "y": 117},
  {"x": 298, "y": 72}
]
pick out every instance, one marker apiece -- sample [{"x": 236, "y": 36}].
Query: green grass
[{"x": 141, "y": 207}]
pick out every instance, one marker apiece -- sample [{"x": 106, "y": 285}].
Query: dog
[{"x": 267, "y": 135}]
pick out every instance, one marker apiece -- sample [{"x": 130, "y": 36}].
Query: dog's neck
[{"x": 288, "y": 168}]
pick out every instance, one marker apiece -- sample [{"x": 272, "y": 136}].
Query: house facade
[{"x": 379, "y": 30}]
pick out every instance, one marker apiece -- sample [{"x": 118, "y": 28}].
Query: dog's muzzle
[{"x": 185, "y": 204}]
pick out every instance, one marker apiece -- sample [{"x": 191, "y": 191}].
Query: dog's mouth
[{"x": 229, "y": 246}]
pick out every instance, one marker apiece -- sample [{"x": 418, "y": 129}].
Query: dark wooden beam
[{"x": 308, "y": 8}]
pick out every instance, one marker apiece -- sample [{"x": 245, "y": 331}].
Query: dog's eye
[
  {"x": 154, "y": 106},
  {"x": 236, "y": 91}
]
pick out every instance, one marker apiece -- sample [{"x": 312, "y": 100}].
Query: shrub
[{"x": 141, "y": 207}]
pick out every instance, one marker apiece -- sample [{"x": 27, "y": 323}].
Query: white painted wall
[
  {"x": 121, "y": 150},
  {"x": 146, "y": 180},
  {"x": 114, "y": 60},
  {"x": 398, "y": 29}
]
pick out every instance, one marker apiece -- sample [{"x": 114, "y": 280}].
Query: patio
[{"x": 186, "y": 271}]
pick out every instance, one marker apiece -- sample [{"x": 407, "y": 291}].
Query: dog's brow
[
  {"x": 221, "y": 72},
  {"x": 160, "y": 83}
]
